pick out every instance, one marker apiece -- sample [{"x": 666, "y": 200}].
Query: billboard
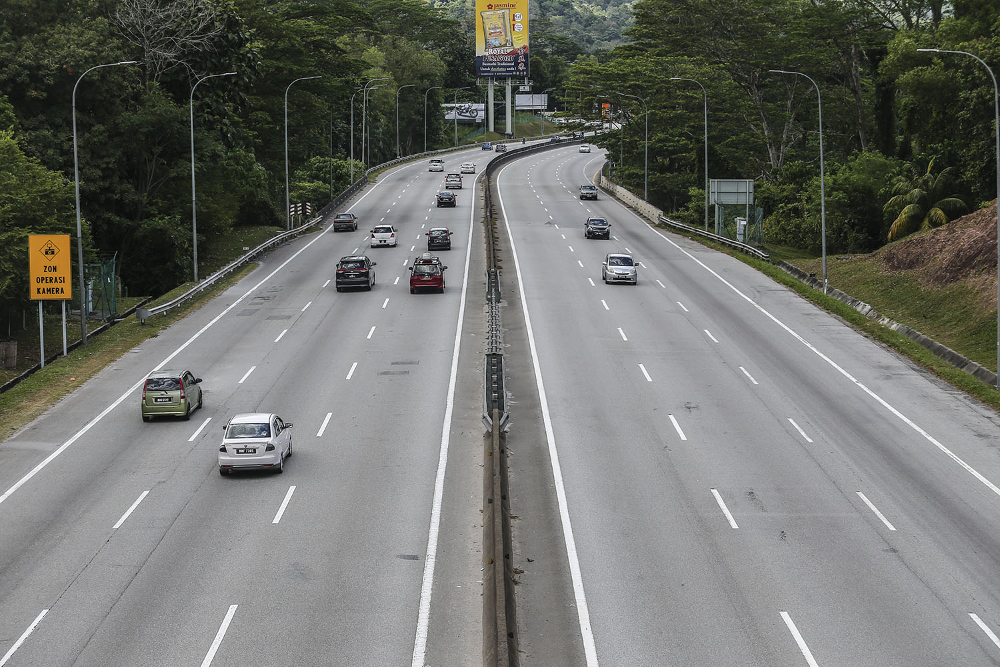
[
  {"x": 533, "y": 102},
  {"x": 502, "y": 38},
  {"x": 467, "y": 112}
]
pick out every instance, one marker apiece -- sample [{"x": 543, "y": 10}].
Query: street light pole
[
  {"x": 364, "y": 114},
  {"x": 79, "y": 226},
  {"x": 409, "y": 85},
  {"x": 645, "y": 187},
  {"x": 425, "y": 114},
  {"x": 454, "y": 111},
  {"x": 352, "y": 136},
  {"x": 996, "y": 125},
  {"x": 544, "y": 110},
  {"x": 822, "y": 188},
  {"x": 288, "y": 215},
  {"x": 194, "y": 205},
  {"x": 705, "y": 94}
]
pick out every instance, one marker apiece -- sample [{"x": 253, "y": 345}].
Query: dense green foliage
[
  {"x": 887, "y": 110},
  {"x": 133, "y": 122}
]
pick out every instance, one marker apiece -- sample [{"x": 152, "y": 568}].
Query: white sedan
[
  {"x": 255, "y": 441},
  {"x": 468, "y": 168},
  {"x": 383, "y": 235},
  {"x": 584, "y": 148}
]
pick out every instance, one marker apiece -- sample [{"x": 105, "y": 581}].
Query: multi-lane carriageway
[{"x": 705, "y": 469}]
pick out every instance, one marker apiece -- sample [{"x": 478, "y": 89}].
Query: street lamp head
[
  {"x": 127, "y": 62},
  {"x": 930, "y": 50}
]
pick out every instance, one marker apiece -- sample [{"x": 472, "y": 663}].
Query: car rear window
[
  {"x": 438, "y": 232},
  {"x": 426, "y": 269},
  {"x": 249, "y": 431},
  {"x": 163, "y": 384},
  {"x": 352, "y": 265},
  {"x": 383, "y": 230},
  {"x": 347, "y": 216}
]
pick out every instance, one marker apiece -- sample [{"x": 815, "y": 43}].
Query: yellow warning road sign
[{"x": 50, "y": 266}]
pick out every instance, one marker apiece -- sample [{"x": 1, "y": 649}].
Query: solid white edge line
[
  {"x": 200, "y": 429},
  {"x": 799, "y": 429},
  {"x": 747, "y": 373},
  {"x": 24, "y": 636},
  {"x": 806, "y": 653},
  {"x": 351, "y": 372},
  {"x": 370, "y": 333},
  {"x": 677, "y": 427},
  {"x": 982, "y": 626},
  {"x": 833, "y": 364},
  {"x": 284, "y": 504},
  {"x": 583, "y": 611},
  {"x": 643, "y": 369},
  {"x": 322, "y": 429},
  {"x": 243, "y": 379},
  {"x": 129, "y": 511},
  {"x": 280, "y": 335},
  {"x": 874, "y": 509},
  {"x": 427, "y": 580},
  {"x": 76, "y": 436},
  {"x": 219, "y": 636},
  {"x": 725, "y": 510}
]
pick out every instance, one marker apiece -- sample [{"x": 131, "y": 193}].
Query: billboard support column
[
  {"x": 490, "y": 119},
  {"x": 509, "y": 107}
]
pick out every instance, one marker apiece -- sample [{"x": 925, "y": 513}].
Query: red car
[{"x": 426, "y": 272}]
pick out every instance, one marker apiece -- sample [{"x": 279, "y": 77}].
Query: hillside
[
  {"x": 593, "y": 25},
  {"x": 942, "y": 282}
]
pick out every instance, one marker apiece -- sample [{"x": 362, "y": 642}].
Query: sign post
[{"x": 50, "y": 279}]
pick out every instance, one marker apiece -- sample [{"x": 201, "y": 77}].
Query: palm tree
[{"x": 921, "y": 203}]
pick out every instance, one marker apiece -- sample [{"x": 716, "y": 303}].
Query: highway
[
  {"x": 708, "y": 470},
  {"x": 705, "y": 469},
  {"x": 122, "y": 545}
]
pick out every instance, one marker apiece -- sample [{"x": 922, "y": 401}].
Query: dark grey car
[
  {"x": 597, "y": 228},
  {"x": 355, "y": 271}
]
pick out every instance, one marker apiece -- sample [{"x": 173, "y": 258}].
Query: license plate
[
  {"x": 161, "y": 399},
  {"x": 246, "y": 450}
]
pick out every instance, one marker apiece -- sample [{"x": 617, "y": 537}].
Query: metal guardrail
[{"x": 743, "y": 247}]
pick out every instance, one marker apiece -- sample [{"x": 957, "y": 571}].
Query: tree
[{"x": 920, "y": 201}]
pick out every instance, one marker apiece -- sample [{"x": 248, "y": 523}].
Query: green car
[{"x": 170, "y": 394}]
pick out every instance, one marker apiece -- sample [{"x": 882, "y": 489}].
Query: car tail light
[
  {"x": 373, "y": 234},
  {"x": 269, "y": 448},
  {"x": 181, "y": 380},
  {"x": 393, "y": 235},
  {"x": 144, "y": 389}
]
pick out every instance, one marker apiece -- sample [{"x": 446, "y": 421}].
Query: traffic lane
[
  {"x": 557, "y": 364},
  {"x": 376, "y": 519},
  {"x": 848, "y": 367}
]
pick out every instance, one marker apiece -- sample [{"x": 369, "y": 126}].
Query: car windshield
[
  {"x": 352, "y": 265},
  {"x": 598, "y": 221},
  {"x": 249, "y": 431},
  {"x": 426, "y": 269},
  {"x": 163, "y": 384},
  {"x": 620, "y": 261},
  {"x": 588, "y": 187}
]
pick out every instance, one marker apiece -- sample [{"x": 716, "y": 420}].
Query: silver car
[
  {"x": 619, "y": 267},
  {"x": 255, "y": 441}
]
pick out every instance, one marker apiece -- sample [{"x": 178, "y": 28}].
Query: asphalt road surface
[
  {"x": 122, "y": 545},
  {"x": 707, "y": 470}
]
